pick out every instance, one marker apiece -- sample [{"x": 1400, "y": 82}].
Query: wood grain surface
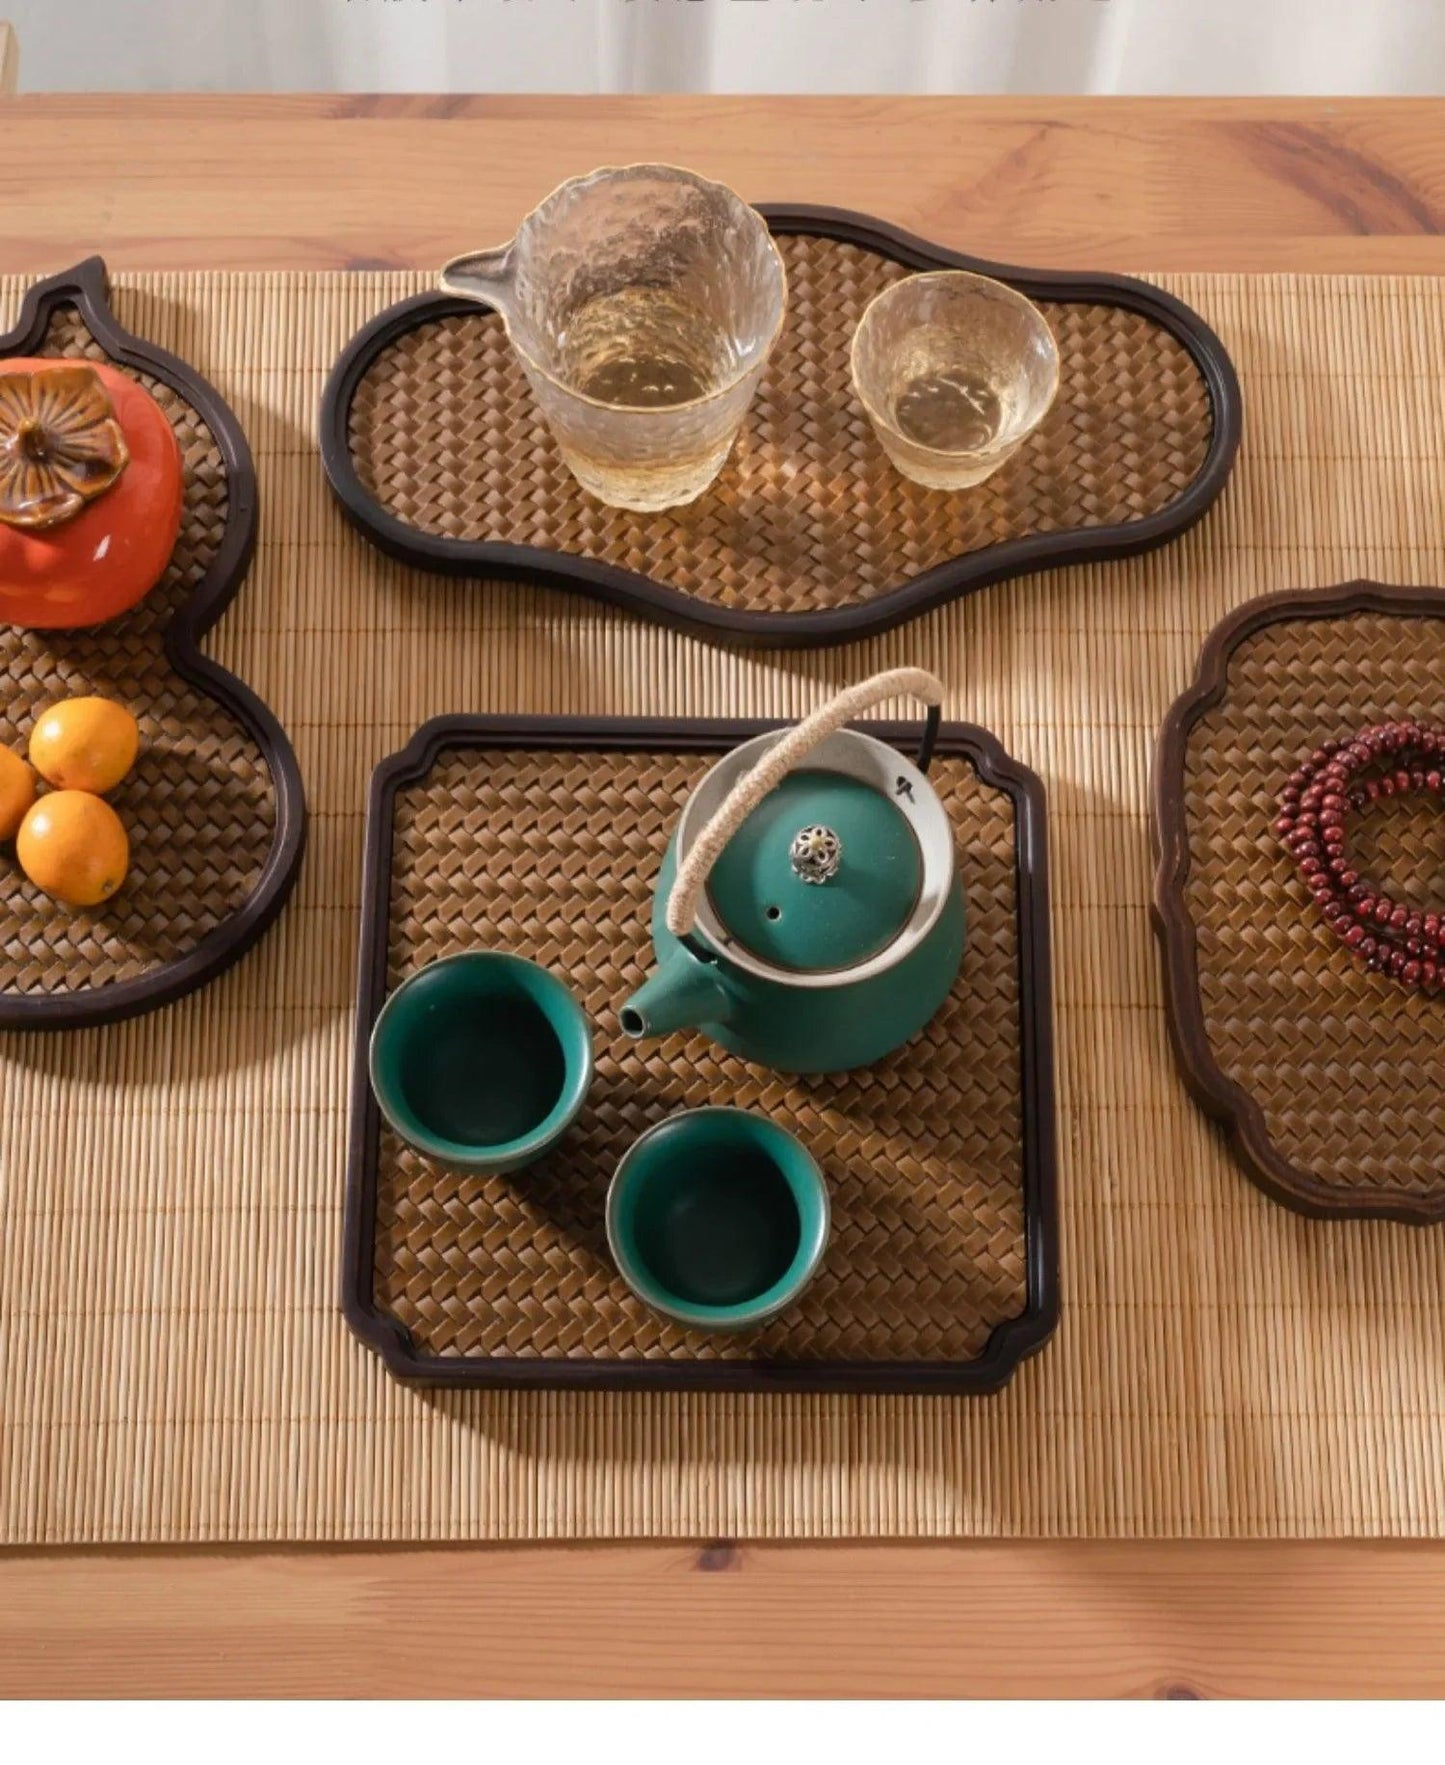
[
  {"x": 199, "y": 182},
  {"x": 1122, "y": 184},
  {"x": 1164, "y": 1621}
]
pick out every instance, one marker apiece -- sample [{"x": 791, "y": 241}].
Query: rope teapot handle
[{"x": 777, "y": 763}]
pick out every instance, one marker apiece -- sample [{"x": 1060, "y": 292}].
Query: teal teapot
[{"x": 809, "y": 914}]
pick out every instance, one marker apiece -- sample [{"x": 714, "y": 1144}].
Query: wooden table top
[
  {"x": 1119, "y": 184},
  {"x": 1122, "y": 184}
]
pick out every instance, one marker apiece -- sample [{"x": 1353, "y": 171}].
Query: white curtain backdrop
[{"x": 923, "y": 46}]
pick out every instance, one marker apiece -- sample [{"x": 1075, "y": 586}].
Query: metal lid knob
[{"x": 815, "y": 854}]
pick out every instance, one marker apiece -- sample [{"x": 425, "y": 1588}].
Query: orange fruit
[
  {"x": 17, "y": 792},
  {"x": 72, "y": 845},
  {"x": 84, "y": 744}
]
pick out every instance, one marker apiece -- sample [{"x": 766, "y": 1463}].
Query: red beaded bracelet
[{"x": 1385, "y": 760}]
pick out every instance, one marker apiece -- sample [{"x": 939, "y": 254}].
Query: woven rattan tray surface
[
  {"x": 214, "y": 808},
  {"x": 435, "y": 451},
  {"x": 545, "y": 837},
  {"x": 1329, "y": 1079}
]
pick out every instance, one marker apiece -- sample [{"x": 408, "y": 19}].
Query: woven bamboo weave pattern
[
  {"x": 554, "y": 855},
  {"x": 198, "y": 808},
  {"x": 173, "y": 1363},
  {"x": 1345, "y": 1065},
  {"x": 808, "y": 514}
]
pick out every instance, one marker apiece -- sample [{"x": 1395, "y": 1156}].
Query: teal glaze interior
[
  {"x": 812, "y": 927},
  {"x": 483, "y": 1072},
  {"x": 720, "y": 1231},
  {"x": 717, "y": 1216},
  {"x": 480, "y": 1056}
]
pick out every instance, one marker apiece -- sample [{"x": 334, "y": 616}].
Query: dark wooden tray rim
[
  {"x": 1010, "y": 1343},
  {"x": 85, "y": 287},
  {"x": 643, "y": 594},
  {"x": 1218, "y": 1095}
]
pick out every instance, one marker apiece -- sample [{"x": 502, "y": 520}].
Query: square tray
[{"x": 545, "y": 837}]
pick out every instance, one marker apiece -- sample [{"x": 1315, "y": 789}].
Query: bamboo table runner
[{"x": 173, "y": 1365}]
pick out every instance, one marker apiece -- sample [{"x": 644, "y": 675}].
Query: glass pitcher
[{"x": 642, "y": 302}]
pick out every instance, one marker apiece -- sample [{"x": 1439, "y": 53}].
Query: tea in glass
[
  {"x": 955, "y": 371},
  {"x": 643, "y": 302}
]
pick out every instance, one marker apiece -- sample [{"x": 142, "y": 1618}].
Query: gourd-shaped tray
[
  {"x": 1328, "y": 1079},
  {"x": 545, "y": 837},
  {"x": 213, "y": 808},
  {"x": 437, "y": 454}
]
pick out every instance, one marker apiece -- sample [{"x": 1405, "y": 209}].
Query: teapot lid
[
  {"x": 835, "y": 875},
  {"x": 824, "y": 874}
]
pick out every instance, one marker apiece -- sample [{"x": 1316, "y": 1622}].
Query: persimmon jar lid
[{"x": 91, "y": 489}]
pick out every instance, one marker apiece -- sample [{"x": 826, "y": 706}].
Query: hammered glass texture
[
  {"x": 688, "y": 247},
  {"x": 956, "y": 326}
]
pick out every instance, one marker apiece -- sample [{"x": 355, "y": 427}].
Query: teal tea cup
[
  {"x": 717, "y": 1218},
  {"x": 481, "y": 1061}
]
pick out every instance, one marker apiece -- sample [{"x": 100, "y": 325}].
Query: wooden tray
[
  {"x": 809, "y": 536},
  {"x": 1328, "y": 1079},
  {"x": 545, "y": 837},
  {"x": 214, "y": 808}
]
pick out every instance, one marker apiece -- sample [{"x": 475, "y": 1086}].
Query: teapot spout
[
  {"x": 485, "y": 276},
  {"x": 683, "y": 993}
]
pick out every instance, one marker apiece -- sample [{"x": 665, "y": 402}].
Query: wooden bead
[{"x": 1344, "y": 777}]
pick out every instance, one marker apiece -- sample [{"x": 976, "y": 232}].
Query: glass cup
[
  {"x": 955, "y": 371},
  {"x": 643, "y": 302}
]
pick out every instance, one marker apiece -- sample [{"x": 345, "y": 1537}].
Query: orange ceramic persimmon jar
[{"x": 90, "y": 492}]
